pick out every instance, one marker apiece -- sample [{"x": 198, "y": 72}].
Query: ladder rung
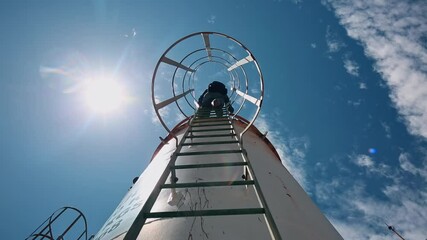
[
  {"x": 209, "y": 143},
  {"x": 211, "y": 125},
  {"x": 212, "y": 135},
  {"x": 209, "y": 165},
  {"x": 204, "y": 116},
  {"x": 212, "y": 118},
  {"x": 211, "y": 130},
  {"x": 208, "y": 184},
  {"x": 208, "y": 152},
  {"x": 199, "y": 213},
  {"x": 210, "y": 112},
  {"x": 207, "y": 120},
  {"x": 208, "y": 109}
]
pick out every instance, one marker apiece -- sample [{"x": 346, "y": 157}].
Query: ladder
[{"x": 211, "y": 125}]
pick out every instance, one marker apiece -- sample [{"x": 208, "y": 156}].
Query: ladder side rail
[
  {"x": 140, "y": 219},
  {"x": 272, "y": 227}
]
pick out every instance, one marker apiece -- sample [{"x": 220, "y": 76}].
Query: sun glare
[{"x": 104, "y": 96}]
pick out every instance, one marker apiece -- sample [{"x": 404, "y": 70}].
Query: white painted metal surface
[
  {"x": 295, "y": 214},
  {"x": 207, "y": 45},
  {"x": 251, "y": 99},
  {"x": 241, "y": 62}
]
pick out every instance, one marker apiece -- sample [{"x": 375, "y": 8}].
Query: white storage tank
[{"x": 215, "y": 176}]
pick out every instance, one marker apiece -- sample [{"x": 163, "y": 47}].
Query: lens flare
[{"x": 372, "y": 150}]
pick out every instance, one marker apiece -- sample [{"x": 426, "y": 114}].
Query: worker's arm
[
  {"x": 227, "y": 102},
  {"x": 201, "y": 97}
]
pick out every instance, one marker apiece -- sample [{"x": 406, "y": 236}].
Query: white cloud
[
  {"x": 313, "y": 45},
  {"x": 380, "y": 169},
  {"x": 291, "y": 150},
  {"x": 351, "y": 66},
  {"x": 386, "y": 129},
  {"x": 362, "y": 85},
  {"x": 228, "y": 56},
  {"x": 334, "y": 43},
  {"x": 385, "y": 171},
  {"x": 355, "y": 230},
  {"x": 355, "y": 103},
  {"x": 212, "y": 19},
  {"x": 164, "y": 113},
  {"x": 255, "y": 91},
  {"x": 359, "y": 215},
  {"x": 326, "y": 4},
  {"x": 364, "y": 161},
  {"x": 407, "y": 165},
  {"x": 131, "y": 34},
  {"x": 296, "y": 1},
  {"x": 154, "y": 118},
  {"x": 392, "y": 33},
  {"x": 326, "y": 190}
]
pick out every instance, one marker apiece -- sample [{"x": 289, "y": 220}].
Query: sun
[{"x": 104, "y": 95}]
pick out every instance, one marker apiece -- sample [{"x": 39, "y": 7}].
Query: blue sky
[{"x": 345, "y": 106}]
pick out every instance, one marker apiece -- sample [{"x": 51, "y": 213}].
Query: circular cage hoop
[
  {"x": 183, "y": 85},
  {"x": 47, "y": 231}
]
